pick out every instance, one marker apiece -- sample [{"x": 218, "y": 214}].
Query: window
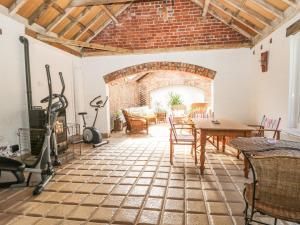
[{"x": 294, "y": 83}]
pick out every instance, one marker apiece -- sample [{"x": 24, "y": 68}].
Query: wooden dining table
[{"x": 225, "y": 128}]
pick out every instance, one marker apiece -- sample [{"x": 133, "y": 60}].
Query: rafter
[
  {"x": 108, "y": 22},
  {"x": 74, "y": 22},
  {"x": 250, "y": 12},
  {"x": 76, "y": 3},
  {"x": 236, "y": 28},
  {"x": 288, "y": 14},
  {"x": 110, "y": 14},
  {"x": 88, "y": 26},
  {"x": 268, "y": 7},
  {"x": 205, "y": 8},
  {"x": 59, "y": 18},
  {"x": 40, "y": 10},
  {"x": 238, "y": 18},
  {"x": 16, "y": 6},
  {"x": 291, "y": 3},
  {"x": 82, "y": 44}
]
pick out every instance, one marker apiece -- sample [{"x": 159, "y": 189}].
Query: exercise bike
[
  {"x": 92, "y": 135},
  {"x": 43, "y": 166}
]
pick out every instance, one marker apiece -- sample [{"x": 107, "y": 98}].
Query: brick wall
[
  {"x": 124, "y": 93},
  {"x": 144, "y": 25}
]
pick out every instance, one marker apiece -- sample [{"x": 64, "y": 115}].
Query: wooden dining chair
[
  {"x": 268, "y": 125},
  {"x": 184, "y": 138}
]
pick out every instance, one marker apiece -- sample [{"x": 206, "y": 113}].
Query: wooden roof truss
[{"x": 74, "y": 22}]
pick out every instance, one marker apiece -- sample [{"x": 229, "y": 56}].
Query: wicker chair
[
  {"x": 135, "y": 124},
  {"x": 275, "y": 190},
  {"x": 186, "y": 138}
]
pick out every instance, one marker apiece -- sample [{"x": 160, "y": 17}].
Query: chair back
[
  {"x": 277, "y": 180},
  {"x": 201, "y": 106},
  {"x": 173, "y": 129},
  {"x": 269, "y": 123},
  {"x": 178, "y": 110},
  {"x": 126, "y": 116}
]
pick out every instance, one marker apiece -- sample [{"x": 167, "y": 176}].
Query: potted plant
[
  {"x": 174, "y": 100},
  {"x": 118, "y": 124}
]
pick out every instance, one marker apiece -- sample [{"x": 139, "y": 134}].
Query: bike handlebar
[{"x": 100, "y": 103}]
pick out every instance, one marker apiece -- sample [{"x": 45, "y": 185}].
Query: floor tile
[
  {"x": 154, "y": 203},
  {"x": 133, "y": 202},
  {"x": 196, "y": 219},
  {"x": 171, "y": 218},
  {"x": 113, "y": 201},
  {"x": 174, "y": 205},
  {"x": 149, "y": 217},
  {"x": 195, "y": 207},
  {"x": 103, "y": 214},
  {"x": 82, "y": 213},
  {"x": 61, "y": 211},
  {"x": 126, "y": 216}
]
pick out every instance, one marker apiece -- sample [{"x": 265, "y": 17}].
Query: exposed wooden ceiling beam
[
  {"x": 76, "y": 3},
  {"x": 110, "y": 14},
  {"x": 291, "y": 3},
  {"x": 40, "y": 10},
  {"x": 238, "y": 18},
  {"x": 236, "y": 28},
  {"x": 268, "y": 7},
  {"x": 124, "y": 7},
  {"x": 250, "y": 12},
  {"x": 82, "y": 44},
  {"x": 205, "y": 8},
  {"x": 16, "y": 6},
  {"x": 74, "y": 22},
  {"x": 71, "y": 50},
  {"x": 293, "y": 29},
  {"x": 288, "y": 14},
  {"x": 59, "y": 18},
  {"x": 88, "y": 26}
]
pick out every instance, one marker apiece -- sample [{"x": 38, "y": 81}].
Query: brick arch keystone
[{"x": 160, "y": 66}]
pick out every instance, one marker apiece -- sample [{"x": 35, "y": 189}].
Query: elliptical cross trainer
[
  {"x": 92, "y": 134},
  {"x": 43, "y": 165}
]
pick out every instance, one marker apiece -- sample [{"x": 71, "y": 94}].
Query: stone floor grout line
[{"x": 148, "y": 193}]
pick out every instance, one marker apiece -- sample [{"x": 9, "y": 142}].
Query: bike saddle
[{"x": 82, "y": 113}]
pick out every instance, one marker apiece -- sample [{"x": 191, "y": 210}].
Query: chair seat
[
  {"x": 275, "y": 210},
  {"x": 185, "y": 138}
]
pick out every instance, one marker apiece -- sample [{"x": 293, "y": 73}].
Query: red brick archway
[{"x": 159, "y": 66}]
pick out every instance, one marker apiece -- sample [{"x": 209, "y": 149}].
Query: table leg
[
  {"x": 218, "y": 141},
  {"x": 246, "y": 167},
  {"x": 246, "y": 163},
  {"x": 202, "y": 151},
  {"x": 223, "y": 143}
]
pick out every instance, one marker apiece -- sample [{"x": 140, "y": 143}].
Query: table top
[
  {"x": 207, "y": 124},
  {"x": 257, "y": 144}
]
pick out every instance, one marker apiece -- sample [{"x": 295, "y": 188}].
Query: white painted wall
[
  {"x": 13, "y": 101},
  {"x": 272, "y": 87},
  {"x": 233, "y": 85}
]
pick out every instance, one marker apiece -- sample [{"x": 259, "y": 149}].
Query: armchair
[
  {"x": 275, "y": 190},
  {"x": 135, "y": 124}
]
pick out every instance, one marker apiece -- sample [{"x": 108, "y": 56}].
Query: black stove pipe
[{"x": 24, "y": 41}]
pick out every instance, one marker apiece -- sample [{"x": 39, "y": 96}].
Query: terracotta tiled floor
[{"x": 130, "y": 181}]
